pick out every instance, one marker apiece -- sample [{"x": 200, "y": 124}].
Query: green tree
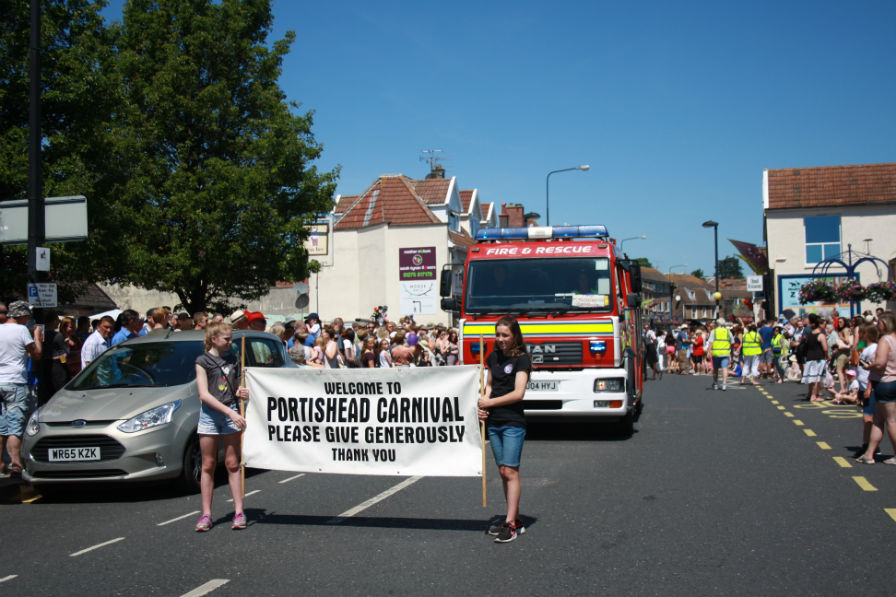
[
  {"x": 729, "y": 267},
  {"x": 78, "y": 98},
  {"x": 698, "y": 273},
  {"x": 644, "y": 261},
  {"x": 219, "y": 186}
]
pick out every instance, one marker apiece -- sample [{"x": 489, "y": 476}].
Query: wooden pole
[
  {"x": 242, "y": 414},
  {"x": 482, "y": 422}
]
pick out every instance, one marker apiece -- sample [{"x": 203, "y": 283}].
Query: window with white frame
[{"x": 822, "y": 238}]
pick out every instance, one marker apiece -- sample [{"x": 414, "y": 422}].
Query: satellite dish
[
  {"x": 300, "y": 288},
  {"x": 302, "y": 301}
]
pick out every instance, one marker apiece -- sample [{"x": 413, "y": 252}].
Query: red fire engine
[{"x": 577, "y": 301}]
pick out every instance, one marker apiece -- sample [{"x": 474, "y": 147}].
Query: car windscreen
[
  {"x": 145, "y": 365},
  {"x": 581, "y": 284}
]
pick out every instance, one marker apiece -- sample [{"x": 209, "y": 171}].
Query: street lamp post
[
  {"x": 547, "y": 189},
  {"x": 622, "y": 242},
  {"x": 715, "y": 234},
  {"x": 671, "y": 290}
]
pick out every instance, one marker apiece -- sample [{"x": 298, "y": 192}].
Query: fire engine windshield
[{"x": 550, "y": 285}]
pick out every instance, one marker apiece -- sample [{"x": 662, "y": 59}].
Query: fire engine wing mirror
[
  {"x": 445, "y": 284},
  {"x": 635, "y": 269},
  {"x": 450, "y": 304},
  {"x": 633, "y": 300}
]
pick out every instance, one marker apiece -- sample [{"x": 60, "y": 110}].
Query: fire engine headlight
[
  {"x": 611, "y": 384},
  {"x": 597, "y": 347}
]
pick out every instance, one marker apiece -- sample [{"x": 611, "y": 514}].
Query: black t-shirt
[
  {"x": 503, "y": 370},
  {"x": 223, "y": 375}
]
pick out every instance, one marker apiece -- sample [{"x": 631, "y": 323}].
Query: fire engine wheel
[{"x": 626, "y": 425}]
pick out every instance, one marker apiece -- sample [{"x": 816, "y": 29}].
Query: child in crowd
[{"x": 217, "y": 377}]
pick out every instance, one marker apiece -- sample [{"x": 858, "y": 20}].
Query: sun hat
[
  {"x": 18, "y": 309},
  {"x": 236, "y": 315}
]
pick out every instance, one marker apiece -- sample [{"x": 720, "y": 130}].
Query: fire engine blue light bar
[{"x": 533, "y": 232}]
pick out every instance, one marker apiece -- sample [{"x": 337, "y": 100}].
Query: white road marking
[
  {"x": 293, "y": 478},
  {"x": 10, "y": 577},
  {"x": 374, "y": 500},
  {"x": 207, "y": 587},
  {"x": 247, "y": 495},
  {"x": 193, "y": 513},
  {"x": 97, "y": 546}
]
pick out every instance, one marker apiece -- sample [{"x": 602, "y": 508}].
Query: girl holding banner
[
  {"x": 217, "y": 375},
  {"x": 502, "y": 409}
]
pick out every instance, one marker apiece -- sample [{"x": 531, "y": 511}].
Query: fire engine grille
[{"x": 549, "y": 354}]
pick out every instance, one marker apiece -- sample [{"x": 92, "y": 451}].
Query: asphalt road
[{"x": 745, "y": 492}]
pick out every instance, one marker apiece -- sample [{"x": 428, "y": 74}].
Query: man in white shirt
[
  {"x": 97, "y": 342},
  {"x": 16, "y": 345}
]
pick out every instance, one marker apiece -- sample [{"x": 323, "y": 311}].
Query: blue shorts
[
  {"x": 507, "y": 444},
  {"x": 885, "y": 391},
  {"x": 213, "y": 422},
  {"x": 868, "y": 409},
  {"x": 720, "y": 362},
  {"x": 14, "y": 398}
]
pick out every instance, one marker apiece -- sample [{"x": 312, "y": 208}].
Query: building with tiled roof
[
  {"x": 375, "y": 233},
  {"x": 830, "y": 212}
]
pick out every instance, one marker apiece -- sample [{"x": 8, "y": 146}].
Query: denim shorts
[
  {"x": 767, "y": 356},
  {"x": 720, "y": 362},
  {"x": 14, "y": 398},
  {"x": 213, "y": 422},
  {"x": 885, "y": 391},
  {"x": 507, "y": 444},
  {"x": 868, "y": 408}
]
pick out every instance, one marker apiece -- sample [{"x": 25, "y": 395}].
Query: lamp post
[
  {"x": 547, "y": 188},
  {"x": 622, "y": 242},
  {"x": 715, "y": 235},
  {"x": 671, "y": 290}
]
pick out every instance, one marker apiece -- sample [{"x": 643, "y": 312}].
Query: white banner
[{"x": 399, "y": 421}]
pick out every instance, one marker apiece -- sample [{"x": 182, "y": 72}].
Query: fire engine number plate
[{"x": 542, "y": 386}]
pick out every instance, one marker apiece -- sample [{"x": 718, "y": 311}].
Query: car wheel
[{"x": 192, "y": 466}]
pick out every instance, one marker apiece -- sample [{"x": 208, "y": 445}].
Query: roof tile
[{"x": 830, "y": 186}]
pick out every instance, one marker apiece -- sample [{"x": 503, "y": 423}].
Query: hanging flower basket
[
  {"x": 851, "y": 291},
  {"x": 817, "y": 291},
  {"x": 879, "y": 292}
]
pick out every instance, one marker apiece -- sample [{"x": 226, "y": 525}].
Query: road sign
[
  {"x": 65, "y": 217},
  {"x": 754, "y": 283},
  {"x": 42, "y": 295}
]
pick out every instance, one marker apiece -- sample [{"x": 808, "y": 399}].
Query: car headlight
[
  {"x": 154, "y": 417},
  {"x": 33, "y": 426}
]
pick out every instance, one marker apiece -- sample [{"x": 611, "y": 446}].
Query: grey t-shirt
[{"x": 223, "y": 375}]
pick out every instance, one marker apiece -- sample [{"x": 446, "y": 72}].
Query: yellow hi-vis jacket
[
  {"x": 721, "y": 342},
  {"x": 752, "y": 344}
]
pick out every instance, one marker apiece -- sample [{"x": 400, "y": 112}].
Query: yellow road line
[
  {"x": 843, "y": 462},
  {"x": 787, "y": 414},
  {"x": 891, "y": 512},
  {"x": 824, "y": 446},
  {"x": 808, "y": 432},
  {"x": 782, "y": 408},
  {"x": 775, "y": 402},
  {"x": 864, "y": 484},
  {"x": 799, "y": 423}
]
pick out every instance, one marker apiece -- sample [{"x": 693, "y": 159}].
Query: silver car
[{"x": 131, "y": 415}]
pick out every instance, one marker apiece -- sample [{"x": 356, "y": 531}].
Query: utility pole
[{"x": 36, "y": 223}]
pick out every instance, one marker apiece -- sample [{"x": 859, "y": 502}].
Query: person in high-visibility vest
[
  {"x": 752, "y": 349},
  {"x": 720, "y": 348},
  {"x": 778, "y": 353}
]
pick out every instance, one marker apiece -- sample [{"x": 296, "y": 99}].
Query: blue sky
[{"x": 677, "y": 106}]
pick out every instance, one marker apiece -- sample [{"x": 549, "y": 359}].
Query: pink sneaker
[
  {"x": 239, "y": 521},
  {"x": 204, "y": 523}
]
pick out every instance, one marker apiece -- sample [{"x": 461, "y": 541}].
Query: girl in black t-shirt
[{"x": 502, "y": 409}]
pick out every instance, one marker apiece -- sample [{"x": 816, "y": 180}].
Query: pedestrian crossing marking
[
  {"x": 824, "y": 446},
  {"x": 790, "y": 415},
  {"x": 864, "y": 484},
  {"x": 891, "y": 512},
  {"x": 775, "y": 402},
  {"x": 843, "y": 462},
  {"x": 799, "y": 423},
  {"x": 782, "y": 408},
  {"x": 808, "y": 432}
]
